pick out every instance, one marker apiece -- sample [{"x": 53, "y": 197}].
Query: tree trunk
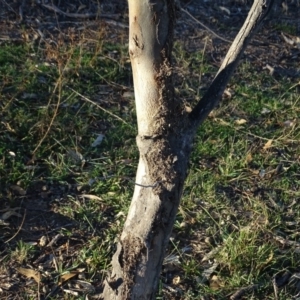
[{"x": 165, "y": 133}]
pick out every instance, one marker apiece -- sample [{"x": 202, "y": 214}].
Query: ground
[{"x": 67, "y": 142}]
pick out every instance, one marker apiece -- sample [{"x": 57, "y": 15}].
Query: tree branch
[{"x": 212, "y": 97}]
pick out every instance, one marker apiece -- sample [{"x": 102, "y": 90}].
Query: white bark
[{"x": 165, "y": 133}]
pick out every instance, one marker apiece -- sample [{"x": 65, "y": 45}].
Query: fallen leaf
[
  {"x": 31, "y": 243},
  {"x": 262, "y": 173},
  {"x": 30, "y": 273},
  {"x": 176, "y": 280},
  {"x": 211, "y": 254},
  {"x": 74, "y": 293},
  {"x": 245, "y": 95},
  {"x": 248, "y": 158},
  {"x": 270, "y": 68},
  {"x": 98, "y": 140},
  {"x": 208, "y": 272},
  {"x": 216, "y": 283},
  {"x": 267, "y": 144},
  {"x": 285, "y": 8},
  {"x": 91, "y": 197},
  {"x": 269, "y": 259},
  {"x": 88, "y": 287},
  {"x": 8, "y": 127},
  {"x": 240, "y": 121},
  {"x": 18, "y": 190},
  {"x": 255, "y": 172},
  {"x": 225, "y": 9},
  {"x": 188, "y": 109},
  {"x": 287, "y": 39},
  {"x": 288, "y": 123},
  {"x": 222, "y": 122},
  {"x": 265, "y": 111},
  {"x": 43, "y": 241},
  {"x": 120, "y": 214},
  {"x": 81, "y": 7},
  {"x": 228, "y": 93},
  {"x": 63, "y": 278}
]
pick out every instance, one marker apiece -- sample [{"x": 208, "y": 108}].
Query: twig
[
  {"x": 237, "y": 295},
  {"x": 21, "y": 11},
  {"x": 111, "y": 83},
  {"x": 55, "y": 239},
  {"x": 96, "y": 104},
  {"x": 18, "y": 228},
  {"x": 275, "y": 288},
  {"x": 75, "y": 15},
  {"x": 205, "y": 27},
  {"x": 10, "y": 7},
  {"x": 116, "y": 23}
]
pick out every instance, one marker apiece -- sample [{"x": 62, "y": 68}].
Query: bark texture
[
  {"x": 165, "y": 134},
  {"x": 164, "y": 153}
]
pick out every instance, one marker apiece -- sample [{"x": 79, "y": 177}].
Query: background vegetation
[{"x": 68, "y": 160}]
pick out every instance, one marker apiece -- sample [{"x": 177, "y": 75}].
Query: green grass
[{"x": 241, "y": 195}]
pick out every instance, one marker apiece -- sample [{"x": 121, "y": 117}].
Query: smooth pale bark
[{"x": 165, "y": 133}]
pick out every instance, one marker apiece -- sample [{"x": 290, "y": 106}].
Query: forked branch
[{"x": 211, "y": 98}]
